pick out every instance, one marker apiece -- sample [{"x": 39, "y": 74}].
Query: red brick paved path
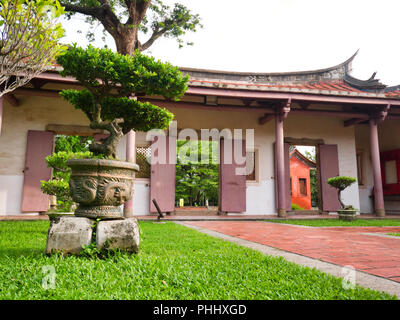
[{"x": 342, "y": 246}]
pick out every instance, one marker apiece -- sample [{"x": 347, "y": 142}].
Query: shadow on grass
[{"x": 19, "y": 252}]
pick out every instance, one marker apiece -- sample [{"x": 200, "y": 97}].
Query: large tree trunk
[
  {"x": 125, "y": 34},
  {"x": 127, "y": 41}
]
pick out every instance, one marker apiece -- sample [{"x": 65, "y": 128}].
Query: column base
[
  {"x": 380, "y": 212},
  {"x": 282, "y": 213}
]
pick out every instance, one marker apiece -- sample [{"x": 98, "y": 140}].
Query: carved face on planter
[{"x": 101, "y": 186}]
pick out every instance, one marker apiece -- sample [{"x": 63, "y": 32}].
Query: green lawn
[
  {"x": 341, "y": 223},
  {"x": 394, "y": 234},
  {"x": 175, "y": 262}
]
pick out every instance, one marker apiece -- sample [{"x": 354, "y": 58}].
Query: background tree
[
  {"x": 29, "y": 34},
  {"x": 123, "y": 19},
  {"x": 196, "y": 181},
  {"x": 313, "y": 178}
]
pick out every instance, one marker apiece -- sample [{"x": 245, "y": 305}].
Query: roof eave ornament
[{"x": 371, "y": 84}]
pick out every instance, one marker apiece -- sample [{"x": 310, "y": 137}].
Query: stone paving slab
[
  {"x": 360, "y": 247},
  {"x": 363, "y": 279}
]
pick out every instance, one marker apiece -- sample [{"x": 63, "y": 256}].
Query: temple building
[
  {"x": 300, "y": 179},
  {"x": 353, "y": 124}
]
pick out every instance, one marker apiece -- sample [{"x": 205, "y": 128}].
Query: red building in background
[{"x": 300, "y": 186}]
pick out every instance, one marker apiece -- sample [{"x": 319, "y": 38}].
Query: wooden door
[
  {"x": 39, "y": 145},
  {"x": 162, "y": 173},
  {"x": 232, "y": 179},
  {"x": 329, "y": 167}
]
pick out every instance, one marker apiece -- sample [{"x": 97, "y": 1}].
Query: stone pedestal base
[
  {"x": 68, "y": 235},
  {"x": 118, "y": 234}
]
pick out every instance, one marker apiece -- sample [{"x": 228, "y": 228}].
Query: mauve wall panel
[
  {"x": 329, "y": 166},
  {"x": 162, "y": 176},
  {"x": 232, "y": 185},
  {"x": 39, "y": 145}
]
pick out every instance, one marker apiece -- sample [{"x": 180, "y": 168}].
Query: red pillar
[
  {"x": 376, "y": 168},
  {"x": 130, "y": 157},
  {"x": 280, "y": 166}
]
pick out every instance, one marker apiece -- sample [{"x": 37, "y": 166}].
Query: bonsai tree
[
  {"x": 111, "y": 81},
  {"x": 341, "y": 183}
]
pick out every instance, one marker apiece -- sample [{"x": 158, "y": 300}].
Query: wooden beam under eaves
[
  {"x": 12, "y": 99},
  {"x": 353, "y": 121},
  {"x": 266, "y": 118},
  {"x": 38, "y": 83}
]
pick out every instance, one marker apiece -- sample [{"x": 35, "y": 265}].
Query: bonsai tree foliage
[
  {"x": 59, "y": 184},
  {"x": 66, "y": 147},
  {"x": 124, "y": 19},
  {"x": 341, "y": 183},
  {"x": 29, "y": 35},
  {"x": 110, "y": 80}
]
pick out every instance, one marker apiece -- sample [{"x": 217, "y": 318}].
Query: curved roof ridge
[
  {"x": 336, "y": 72},
  {"x": 346, "y": 64},
  {"x": 295, "y": 152}
]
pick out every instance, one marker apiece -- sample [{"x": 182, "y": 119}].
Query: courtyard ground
[
  {"x": 368, "y": 249},
  {"x": 174, "y": 263}
]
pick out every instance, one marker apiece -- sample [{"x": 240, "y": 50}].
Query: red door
[
  {"x": 232, "y": 178},
  {"x": 39, "y": 145}
]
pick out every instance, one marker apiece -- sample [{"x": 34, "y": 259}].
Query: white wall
[
  {"x": 37, "y": 112},
  {"x": 389, "y": 139}
]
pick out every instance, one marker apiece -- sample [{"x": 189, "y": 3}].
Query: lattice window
[
  {"x": 143, "y": 155},
  {"x": 250, "y": 166}
]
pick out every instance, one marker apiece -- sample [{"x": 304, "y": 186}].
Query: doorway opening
[
  {"x": 197, "y": 177},
  {"x": 304, "y": 179}
]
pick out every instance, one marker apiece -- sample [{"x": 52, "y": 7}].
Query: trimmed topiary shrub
[
  {"x": 111, "y": 80},
  {"x": 340, "y": 183}
]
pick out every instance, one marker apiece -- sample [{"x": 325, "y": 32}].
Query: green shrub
[
  {"x": 110, "y": 80},
  {"x": 340, "y": 183},
  {"x": 296, "y": 207},
  {"x": 58, "y": 185}
]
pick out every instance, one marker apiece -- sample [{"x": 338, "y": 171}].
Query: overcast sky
[{"x": 284, "y": 35}]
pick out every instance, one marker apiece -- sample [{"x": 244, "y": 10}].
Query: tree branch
[
  {"x": 90, "y": 11},
  {"x": 156, "y": 34}
]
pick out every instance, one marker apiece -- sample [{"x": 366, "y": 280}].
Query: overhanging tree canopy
[
  {"x": 123, "y": 19},
  {"x": 29, "y": 34},
  {"x": 110, "y": 79}
]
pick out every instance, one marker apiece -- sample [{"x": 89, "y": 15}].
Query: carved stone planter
[
  {"x": 101, "y": 186},
  {"x": 347, "y": 215}
]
